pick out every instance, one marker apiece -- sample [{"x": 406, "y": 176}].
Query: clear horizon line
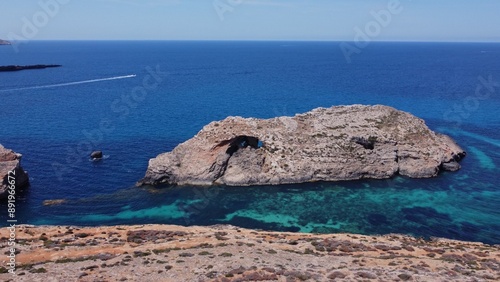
[{"x": 262, "y": 40}]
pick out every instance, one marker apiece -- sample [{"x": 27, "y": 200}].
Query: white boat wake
[{"x": 70, "y": 83}]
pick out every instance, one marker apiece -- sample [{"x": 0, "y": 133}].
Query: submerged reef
[{"x": 325, "y": 144}]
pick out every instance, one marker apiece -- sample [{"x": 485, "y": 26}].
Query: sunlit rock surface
[
  {"x": 338, "y": 143},
  {"x": 11, "y": 162}
]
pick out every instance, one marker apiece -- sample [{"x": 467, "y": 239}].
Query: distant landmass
[
  {"x": 4, "y": 42},
  {"x": 32, "y": 67}
]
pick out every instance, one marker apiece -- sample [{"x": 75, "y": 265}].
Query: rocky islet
[{"x": 325, "y": 144}]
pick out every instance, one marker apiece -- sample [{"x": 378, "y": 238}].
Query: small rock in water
[
  {"x": 451, "y": 166},
  {"x": 96, "y": 155}
]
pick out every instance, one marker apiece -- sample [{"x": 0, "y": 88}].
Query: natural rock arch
[{"x": 240, "y": 141}]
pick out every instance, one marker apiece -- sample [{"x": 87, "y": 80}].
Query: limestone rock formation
[
  {"x": 337, "y": 143},
  {"x": 11, "y": 161}
]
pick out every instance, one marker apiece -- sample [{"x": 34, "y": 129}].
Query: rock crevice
[{"x": 337, "y": 143}]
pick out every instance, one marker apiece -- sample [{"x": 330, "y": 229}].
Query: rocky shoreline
[
  {"x": 325, "y": 144},
  {"x": 227, "y": 253},
  {"x": 10, "y": 161}
]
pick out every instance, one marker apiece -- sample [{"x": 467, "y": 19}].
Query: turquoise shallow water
[{"x": 207, "y": 81}]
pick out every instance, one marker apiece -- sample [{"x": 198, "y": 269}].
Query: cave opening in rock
[
  {"x": 241, "y": 141},
  {"x": 368, "y": 144}
]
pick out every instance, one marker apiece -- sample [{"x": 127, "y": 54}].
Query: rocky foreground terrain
[
  {"x": 338, "y": 143},
  {"x": 11, "y": 161},
  {"x": 227, "y": 253}
]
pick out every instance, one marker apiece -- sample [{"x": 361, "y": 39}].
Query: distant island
[
  {"x": 32, "y": 67},
  {"x": 4, "y": 42}
]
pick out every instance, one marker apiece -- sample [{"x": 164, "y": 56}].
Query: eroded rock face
[
  {"x": 11, "y": 161},
  {"x": 338, "y": 143}
]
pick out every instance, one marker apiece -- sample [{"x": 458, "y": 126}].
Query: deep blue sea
[{"x": 98, "y": 100}]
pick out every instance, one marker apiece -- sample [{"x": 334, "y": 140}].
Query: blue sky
[{"x": 413, "y": 20}]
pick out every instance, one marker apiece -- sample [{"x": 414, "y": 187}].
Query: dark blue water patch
[
  {"x": 424, "y": 214},
  {"x": 377, "y": 219},
  {"x": 469, "y": 228}
]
